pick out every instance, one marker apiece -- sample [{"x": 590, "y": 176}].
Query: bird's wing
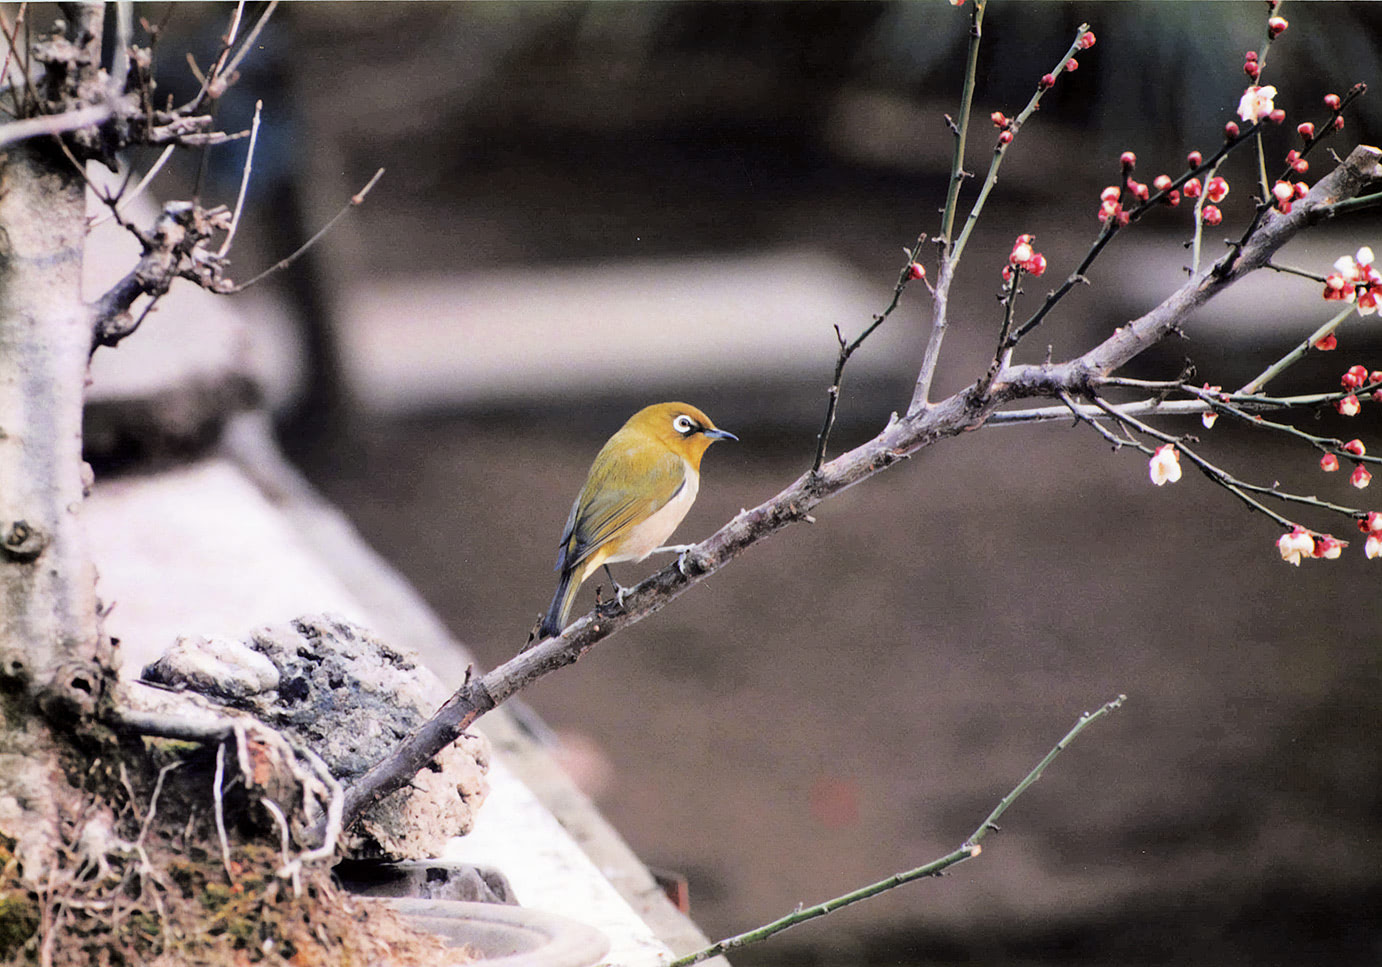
[{"x": 607, "y": 507}]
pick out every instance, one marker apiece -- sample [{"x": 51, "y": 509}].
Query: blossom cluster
[
  {"x": 1024, "y": 258},
  {"x": 1355, "y": 279}
]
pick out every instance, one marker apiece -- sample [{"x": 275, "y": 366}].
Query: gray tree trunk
[{"x": 53, "y": 659}]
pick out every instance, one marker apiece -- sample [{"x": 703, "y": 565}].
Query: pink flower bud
[
  {"x": 999, "y": 119},
  {"x": 1355, "y": 447},
  {"x": 1230, "y": 131},
  {"x": 1339, "y": 123},
  {"x": 1072, "y": 65},
  {"x": 1355, "y": 377},
  {"x": 1216, "y": 190},
  {"x": 1022, "y": 250},
  {"x": 1277, "y": 116},
  {"x": 1005, "y": 137},
  {"x": 1371, "y": 524},
  {"x": 1328, "y": 546},
  {"x": 1275, "y": 26},
  {"x": 1327, "y": 342},
  {"x": 1111, "y": 193},
  {"x": 1086, "y": 40},
  {"x": 1331, "y": 101},
  {"x": 1348, "y": 406},
  {"x": 1194, "y": 159},
  {"x": 1283, "y": 192},
  {"x": 1211, "y": 215},
  {"x": 1192, "y": 188},
  {"x": 1251, "y": 69},
  {"x": 1128, "y": 160},
  {"x": 1329, "y": 463},
  {"x": 1047, "y": 82},
  {"x": 1035, "y": 265},
  {"x": 1306, "y": 130},
  {"x": 1161, "y": 182},
  {"x": 916, "y": 271},
  {"x": 1360, "y": 477}
]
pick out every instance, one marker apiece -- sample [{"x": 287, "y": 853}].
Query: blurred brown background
[{"x": 589, "y": 207}]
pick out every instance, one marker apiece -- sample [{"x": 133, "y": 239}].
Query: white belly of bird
[{"x": 652, "y": 533}]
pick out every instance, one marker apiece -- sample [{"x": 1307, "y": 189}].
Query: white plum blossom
[
  {"x": 1164, "y": 467},
  {"x": 1295, "y": 545},
  {"x": 1256, "y": 103}
]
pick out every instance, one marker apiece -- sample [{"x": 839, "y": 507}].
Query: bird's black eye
[{"x": 685, "y": 425}]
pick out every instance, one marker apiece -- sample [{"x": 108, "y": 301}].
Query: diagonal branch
[{"x": 903, "y": 436}]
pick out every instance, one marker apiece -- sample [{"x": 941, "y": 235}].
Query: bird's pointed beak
[{"x": 719, "y": 435}]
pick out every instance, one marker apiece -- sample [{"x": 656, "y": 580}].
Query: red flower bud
[
  {"x": 1306, "y": 130},
  {"x": 1128, "y": 160},
  {"x": 1194, "y": 159},
  {"x": 1331, "y": 101},
  {"x": 1231, "y": 130}
]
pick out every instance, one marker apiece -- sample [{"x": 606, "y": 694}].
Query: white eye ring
[{"x": 683, "y": 424}]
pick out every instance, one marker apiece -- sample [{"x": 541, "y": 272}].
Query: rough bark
[{"x": 53, "y": 661}]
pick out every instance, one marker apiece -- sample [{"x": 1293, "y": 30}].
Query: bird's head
[{"x": 680, "y": 427}]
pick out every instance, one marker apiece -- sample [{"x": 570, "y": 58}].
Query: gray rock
[{"x": 351, "y": 698}]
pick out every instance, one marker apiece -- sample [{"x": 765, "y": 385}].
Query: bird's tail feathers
[{"x": 561, "y": 606}]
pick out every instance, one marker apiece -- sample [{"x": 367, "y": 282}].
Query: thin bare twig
[
  {"x": 967, "y": 850},
  {"x": 357, "y": 199},
  {"x": 244, "y": 182},
  {"x": 847, "y": 349},
  {"x": 123, "y": 200}
]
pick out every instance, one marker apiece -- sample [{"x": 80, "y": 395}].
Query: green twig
[
  {"x": 961, "y": 127},
  {"x": 1001, "y": 149},
  {"x": 1258, "y": 382},
  {"x": 967, "y": 850}
]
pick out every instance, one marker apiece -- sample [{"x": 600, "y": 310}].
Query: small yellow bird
[{"x": 639, "y": 488}]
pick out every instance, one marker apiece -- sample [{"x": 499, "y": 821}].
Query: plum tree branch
[{"x": 966, "y": 410}]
